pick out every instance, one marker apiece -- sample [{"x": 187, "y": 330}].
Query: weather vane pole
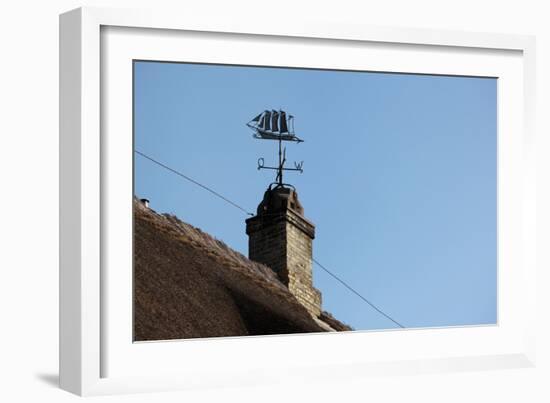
[{"x": 276, "y": 125}]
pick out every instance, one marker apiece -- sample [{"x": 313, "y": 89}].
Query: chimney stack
[{"x": 281, "y": 238}]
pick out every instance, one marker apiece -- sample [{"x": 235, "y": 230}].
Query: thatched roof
[{"x": 187, "y": 284}]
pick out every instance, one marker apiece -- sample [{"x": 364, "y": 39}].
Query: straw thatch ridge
[
  {"x": 334, "y": 323},
  {"x": 188, "y": 284}
]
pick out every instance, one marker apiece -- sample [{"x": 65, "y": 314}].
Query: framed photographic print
[{"x": 238, "y": 197}]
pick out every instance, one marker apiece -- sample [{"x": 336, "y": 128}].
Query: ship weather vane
[{"x": 279, "y": 126}]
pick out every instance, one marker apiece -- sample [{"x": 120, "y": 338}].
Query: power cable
[
  {"x": 357, "y": 293},
  {"x": 251, "y": 214},
  {"x": 194, "y": 182}
]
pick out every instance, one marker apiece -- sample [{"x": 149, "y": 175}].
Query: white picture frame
[{"x": 97, "y": 357}]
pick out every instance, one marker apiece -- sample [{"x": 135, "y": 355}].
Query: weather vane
[{"x": 276, "y": 125}]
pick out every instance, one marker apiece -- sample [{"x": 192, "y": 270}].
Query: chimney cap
[
  {"x": 145, "y": 202},
  {"x": 280, "y": 199}
]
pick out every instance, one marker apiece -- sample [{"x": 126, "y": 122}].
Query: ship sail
[
  {"x": 261, "y": 123},
  {"x": 273, "y": 125},
  {"x": 284, "y": 127},
  {"x": 267, "y": 119},
  {"x": 275, "y": 121}
]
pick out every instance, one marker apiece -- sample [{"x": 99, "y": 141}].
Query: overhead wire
[
  {"x": 215, "y": 193},
  {"x": 194, "y": 182},
  {"x": 357, "y": 293}
]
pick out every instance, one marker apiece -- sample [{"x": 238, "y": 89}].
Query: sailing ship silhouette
[{"x": 274, "y": 125}]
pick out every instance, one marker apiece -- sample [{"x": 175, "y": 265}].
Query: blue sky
[{"x": 399, "y": 177}]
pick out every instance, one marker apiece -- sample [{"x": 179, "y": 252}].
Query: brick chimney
[{"x": 281, "y": 237}]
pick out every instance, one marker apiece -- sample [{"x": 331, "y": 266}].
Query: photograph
[
  {"x": 238, "y": 201},
  {"x": 273, "y": 200}
]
